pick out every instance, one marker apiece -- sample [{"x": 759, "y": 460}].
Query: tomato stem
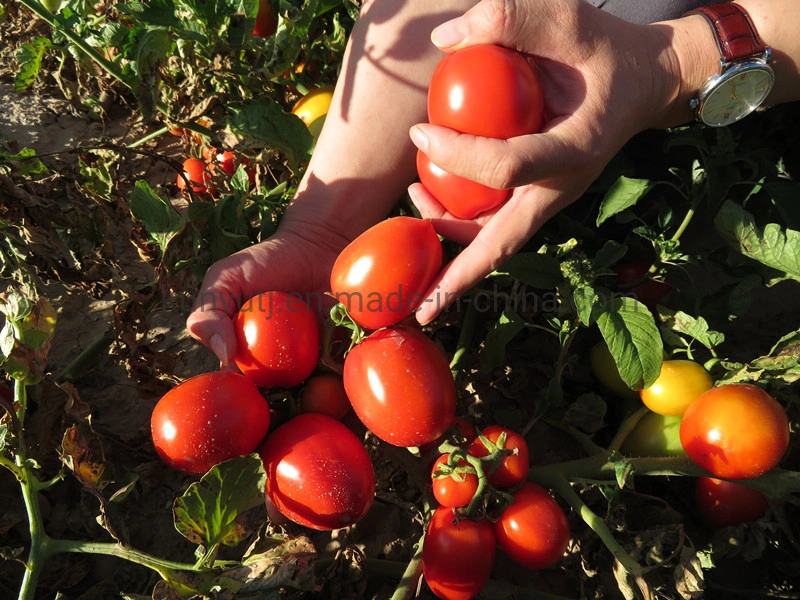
[{"x": 410, "y": 581}]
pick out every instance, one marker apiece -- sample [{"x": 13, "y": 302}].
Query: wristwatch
[{"x": 745, "y": 77}]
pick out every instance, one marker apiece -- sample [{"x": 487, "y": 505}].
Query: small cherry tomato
[
  {"x": 400, "y": 386},
  {"x": 324, "y": 393},
  {"x": 727, "y": 504},
  {"x": 318, "y": 472},
  {"x": 513, "y": 468},
  {"x": 266, "y": 23},
  {"x": 207, "y": 419},
  {"x": 654, "y": 435},
  {"x": 633, "y": 278},
  {"x": 314, "y": 105},
  {"x": 457, "y": 555},
  {"x": 380, "y": 277},
  {"x": 735, "y": 431},
  {"x": 533, "y": 530},
  {"x": 196, "y": 172},
  {"x": 453, "y": 486},
  {"x": 278, "y": 339},
  {"x": 678, "y": 384}
]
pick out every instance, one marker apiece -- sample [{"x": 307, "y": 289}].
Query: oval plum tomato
[
  {"x": 654, "y": 435},
  {"x": 457, "y": 555},
  {"x": 207, "y": 419},
  {"x": 512, "y": 469},
  {"x": 318, "y": 472},
  {"x": 727, "y": 504},
  {"x": 324, "y": 393},
  {"x": 400, "y": 386},
  {"x": 266, "y": 23},
  {"x": 314, "y": 105},
  {"x": 533, "y": 530},
  {"x": 678, "y": 384},
  {"x": 196, "y": 172},
  {"x": 605, "y": 369},
  {"x": 461, "y": 197},
  {"x": 486, "y": 90},
  {"x": 380, "y": 277},
  {"x": 453, "y": 486},
  {"x": 632, "y": 277},
  {"x": 735, "y": 431},
  {"x": 278, "y": 339}
]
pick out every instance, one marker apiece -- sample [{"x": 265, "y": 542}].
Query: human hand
[{"x": 603, "y": 80}]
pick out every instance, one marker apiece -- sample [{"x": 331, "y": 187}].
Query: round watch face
[{"x": 736, "y": 94}]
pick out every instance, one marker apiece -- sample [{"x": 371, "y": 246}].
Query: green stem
[
  {"x": 464, "y": 339},
  {"x": 86, "y": 359},
  {"x": 409, "y": 583},
  {"x": 628, "y": 425},
  {"x": 150, "y": 136}
]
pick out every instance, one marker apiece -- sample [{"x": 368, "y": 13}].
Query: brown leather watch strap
[{"x": 736, "y": 35}]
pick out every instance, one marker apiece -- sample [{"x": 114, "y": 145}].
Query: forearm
[{"x": 364, "y": 160}]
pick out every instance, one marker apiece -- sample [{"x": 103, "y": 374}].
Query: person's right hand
[{"x": 288, "y": 261}]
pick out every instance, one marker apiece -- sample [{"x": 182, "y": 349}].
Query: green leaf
[
  {"x": 696, "y": 328},
  {"x": 624, "y": 193},
  {"x": 632, "y": 338},
  {"x": 609, "y": 254},
  {"x": 26, "y": 336},
  {"x": 772, "y": 246},
  {"x": 494, "y": 349},
  {"x": 588, "y": 304},
  {"x": 158, "y": 216},
  {"x": 3, "y": 433},
  {"x": 533, "y": 269},
  {"x": 29, "y": 58},
  {"x": 209, "y": 512}
]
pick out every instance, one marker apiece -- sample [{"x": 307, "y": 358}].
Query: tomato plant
[
  {"x": 726, "y": 503},
  {"x": 266, "y": 23},
  {"x": 512, "y": 468},
  {"x": 457, "y": 555},
  {"x": 400, "y": 386},
  {"x": 278, "y": 339},
  {"x": 634, "y": 280},
  {"x": 607, "y": 373},
  {"x": 381, "y": 276},
  {"x": 318, "y": 472},
  {"x": 197, "y": 173},
  {"x": 654, "y": 435},
  {"x": 453, "y": 485},
  {"x": 207, "y": 419},
  {"x": 324, "y": 393},
  {"x": 533, "y": 530},
  {"x": 678, "y": 384},
  {"x": 735, "y": 431}
]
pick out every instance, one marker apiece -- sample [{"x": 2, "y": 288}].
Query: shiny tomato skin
[
  {"x": 486, "y": 90},
  {"x": 457, "y": 555},
  {"x": 324, "y": 393},
  {"x": 456, "y": 489},
  {"x": 533, "y": 530},
  {"x": 266, "y": 23},
  {"x": 207, "y": 419},
  {"x": 380, "y": 277},
  {"x": 278, "y": 339},
  {"x": 727, "y": 504},
  {"x": 400, "y": 386},
  {"x": 319, "y": 474},
  {"x": 654, "y": 435},
  {"x": 314, "y": 105},
  {"x": 512, "y": 469},
  {"x": 735, "y": 431},
  {"x": 461, "y": 197},
  {"x": 677, "y": 385}
]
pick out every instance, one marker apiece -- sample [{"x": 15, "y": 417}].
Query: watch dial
[{"x": 737, "y": 96}]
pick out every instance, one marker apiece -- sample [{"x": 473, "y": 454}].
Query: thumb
[{"x": 485, "y": 23}]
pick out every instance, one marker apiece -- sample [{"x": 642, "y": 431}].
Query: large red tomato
[
  {"x": 725, "y": 503},
  {"x": 278, "y": 339},
  {"x": 400, "y": 386},
  {"x": 318, "y": 472},
  {"x": 735, "y": 431},
  {"x": 381, "y": 276},
  {"x": 457, "y": 555},
  {"x": 207, "y": 419},
  {"x": 533, "y": 530},
  {"x": 463, "y": 198},
  {"x": 486, "y": 90},
  {"x": 511, "y": 469}
]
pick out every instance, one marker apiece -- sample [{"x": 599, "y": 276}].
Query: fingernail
[
  {"x": 220, "y": 348},
  {"x": 448, "y": 34},
  {"x": 419, "y": 138}
]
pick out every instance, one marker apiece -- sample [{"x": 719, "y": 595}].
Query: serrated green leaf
[
  {"x": 29, "y": 58},
  {"x": 588, "y": 304},
  {"x": 610, "y": 253},
  {"x": 208, "y": 512},
  {"x": 624, "y": 193},
  {"x": 494, "y": 349},
  {"x": 696, "y": 328},
  {"x": 773, "y": 246},
  {"x": 158, "y": 216},
  {"x": 632, "y": 338},
  {"x": 533, "y": 269}
]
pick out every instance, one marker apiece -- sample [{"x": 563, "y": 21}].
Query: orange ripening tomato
[
  {"x": 678, "y": 384},
  {"x": 313, "y": 105}
]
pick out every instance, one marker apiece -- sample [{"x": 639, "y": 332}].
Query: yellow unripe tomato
[
  {"x": 679, "y": 382},
  {"x": 313, "y": 105}
]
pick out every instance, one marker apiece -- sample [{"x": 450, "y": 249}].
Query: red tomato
[
  {"x": 457, "y": 555},
  {"x": 486, "y": 90},
  {"x": 678, "y": 384},
  {"x": 649, "y": 292},
  {"x": 278, "y": 339},
  {"x": 533, "y": 530},
  {"x": 455, "y": 489},
  {"x": 324, "y": 393},
  {"x": 400, "y": 386},
  {"x": 229, "y": 162},
  {"x": 318, "y": 472},
  {"x": 735, "y": 431},
  {"x": 207, "y": 419},
  {"x": 512, "y": 469},
  {"x": 381, "y": 276},
  {"x": 195, "y": 170},
  {"x": 726, "y": 504},
  {"x": 462, "y": 198},
  {"x": 266, "y": 23}
]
